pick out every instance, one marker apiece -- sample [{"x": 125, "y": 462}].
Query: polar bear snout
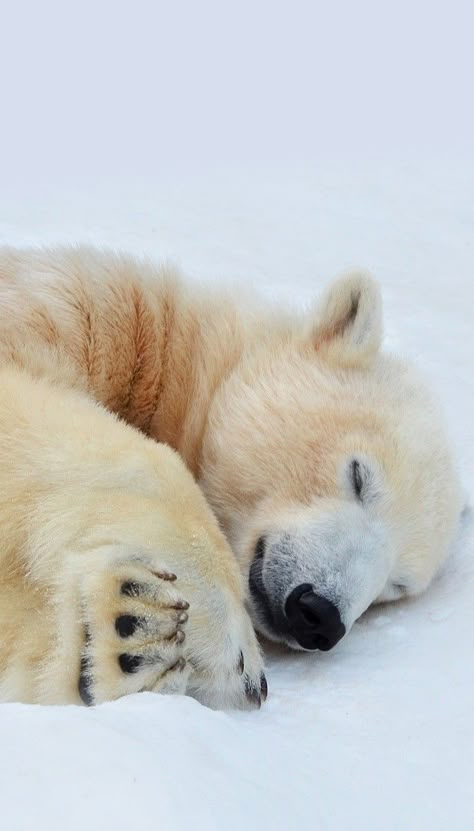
[
  {"x": 310, "y": 581},
  {"x": 314, "y": 621},
  {"x": 304, "y": 619}
]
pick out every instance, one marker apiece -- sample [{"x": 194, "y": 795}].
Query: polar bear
[{"x": 319, "y": 478}]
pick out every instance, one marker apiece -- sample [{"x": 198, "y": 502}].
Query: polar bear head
[{"x": 327, "y": 465}]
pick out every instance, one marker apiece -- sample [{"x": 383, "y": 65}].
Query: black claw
[
  {"x": 253, "y": 695},
  {"x": 127, "y": 625},
  {"x": 130, "y": 663},
  {"x": 240, "y": 665},
  {"x": 130, "y": 589},
  {"x": 85, "y": 683},
  {"x": 179, "y": 665},
  {"x": 165, "y": 575},
  {"x": 180, "y": 604},
  {"x": 263, "y": 687}
]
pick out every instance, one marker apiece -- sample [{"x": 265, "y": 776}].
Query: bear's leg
[
  {"x": 124, "y": 624},
  {"x": 96, "y": 520},
  {"x": 125, "y": 614}
]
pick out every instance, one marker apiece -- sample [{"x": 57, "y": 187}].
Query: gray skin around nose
[
  {"x": 306, "y": 619},
  {"x": 309, "y": 583}
]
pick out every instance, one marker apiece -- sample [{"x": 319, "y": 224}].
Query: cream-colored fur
[
  {"x": 268, "y": 412},
  {"x": 88, "y": 506}
]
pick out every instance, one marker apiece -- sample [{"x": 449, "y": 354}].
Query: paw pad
[
  {"x": 85, "y": 683},
  {"x": 130, "y": 663},
  {"x": 127, "y": 625},
  {"x": 130, "y": 589}
]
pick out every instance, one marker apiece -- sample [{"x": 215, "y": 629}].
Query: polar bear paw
[
  {"x": 225, "y": 655},
  {"x": 141, "y": 633},
  {"x": 135, "y": 626}
]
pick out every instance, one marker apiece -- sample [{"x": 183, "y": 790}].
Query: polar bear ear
[{"x": 346, "y": 325}]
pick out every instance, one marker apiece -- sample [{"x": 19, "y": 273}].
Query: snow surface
[{"x": 379, "y": 733}]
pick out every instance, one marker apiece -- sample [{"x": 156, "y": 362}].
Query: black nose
[{"x": 314, "y": 621}]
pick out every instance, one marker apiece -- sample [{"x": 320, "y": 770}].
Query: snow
[{"x": 378, "y": 733}]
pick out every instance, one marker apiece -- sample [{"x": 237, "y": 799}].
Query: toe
[{"x": 252, "y": 693}]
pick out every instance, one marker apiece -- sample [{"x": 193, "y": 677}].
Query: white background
[{"x": 96, "y": 88}]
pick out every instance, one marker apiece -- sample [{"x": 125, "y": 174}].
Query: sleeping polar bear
[{"x": 325, "y": 479}]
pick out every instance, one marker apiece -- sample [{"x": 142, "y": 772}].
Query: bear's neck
[
  {"x": 202, "y": 337},
  {"x": 176, "y": 345}
]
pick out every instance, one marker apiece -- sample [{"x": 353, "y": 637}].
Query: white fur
[{"x": 268, "y": 411}]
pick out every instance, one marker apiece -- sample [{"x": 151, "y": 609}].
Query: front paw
[
  {"x": 232, "y": 673},
  {"x": 135, "y": 626}
]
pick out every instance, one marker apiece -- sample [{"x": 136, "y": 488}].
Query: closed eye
[
  {"x": 364, "y": 482},
  {"x": 357, "y": 479}
]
